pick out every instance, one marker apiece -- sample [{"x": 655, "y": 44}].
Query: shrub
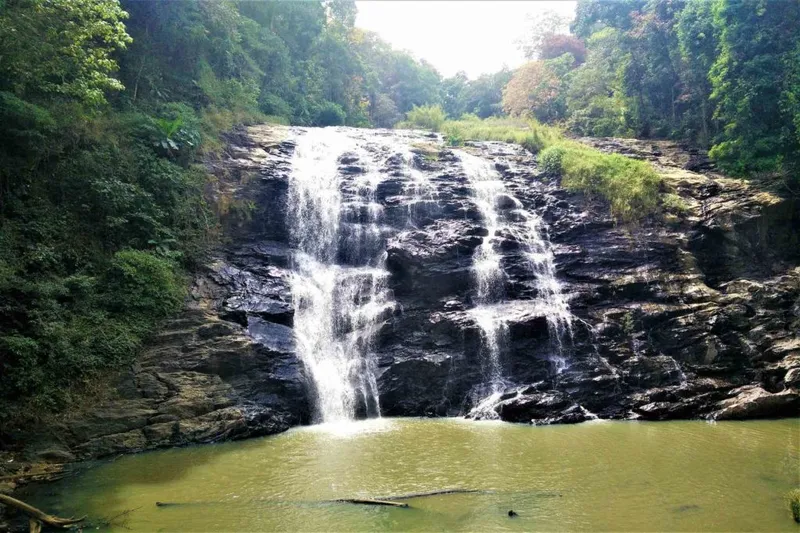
[
  {"x": 275, "y": 119},
  {"x": 629, "y": 185},
  {"x": 454, "y": 138},
  {"x": 550, "y": 160},
  {"x": 330, "y": 114},
  {"x": 272, "y": 104},
  {"x": 142, "y": 283},
  {"x": 470, "y": 117},
  {"x": 427, "y": 117}
]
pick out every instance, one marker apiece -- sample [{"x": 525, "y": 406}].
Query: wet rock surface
[{"x": 680, "y": 317}]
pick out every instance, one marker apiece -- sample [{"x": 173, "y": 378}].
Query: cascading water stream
[
  {"x": 489, "y": 276},
  {"x": 490, "y": 312},
  {"x": 550, "y": 296},
  {"x": 339, "y": 280}
]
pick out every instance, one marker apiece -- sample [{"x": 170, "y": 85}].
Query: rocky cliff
[{"x": 692, "y": 313}]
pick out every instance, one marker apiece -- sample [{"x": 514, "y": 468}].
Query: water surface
[{"x": 676, "y": 476}]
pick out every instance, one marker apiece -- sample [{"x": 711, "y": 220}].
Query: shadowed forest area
[{"x": 109, "y": 107}]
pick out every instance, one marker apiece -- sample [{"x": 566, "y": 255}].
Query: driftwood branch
[
  {"x": 367, "y": 501},
  {"x": 434, "y": 493},
  {"x": 38, "y": 516}
]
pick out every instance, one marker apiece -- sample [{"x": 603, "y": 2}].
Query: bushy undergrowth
[
  {"x": 96, "y": 233},
  {"x": 629, "y": 185},
  {"x": 429, "y": 117}
]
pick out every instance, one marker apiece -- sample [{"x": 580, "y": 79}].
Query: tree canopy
[{"x": 718, "y": 73}]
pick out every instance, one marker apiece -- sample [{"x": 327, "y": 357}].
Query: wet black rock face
[{"x": 690, "y": 317}]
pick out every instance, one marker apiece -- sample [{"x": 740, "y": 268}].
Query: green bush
[
  {"x": 72, "y": 327},
  {"x": 140, "y": 283},
  {"x": 430, "y": 117},
  {"x": 274, "y": 105},
  {"x": 330, "y": 114},
  {"x": 454, "y": 138},
  {"x": 550, "y": 160},
  {"x": 92, "y": 252}
]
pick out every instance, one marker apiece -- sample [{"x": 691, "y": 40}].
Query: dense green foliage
[
  {"x": 719, "y": 73},
  {"x": 482, "y": 96},
  {"x": 793, "y": 498}
]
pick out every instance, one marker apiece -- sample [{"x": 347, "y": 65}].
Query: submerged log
[
  {"x": 37, "y": 516},
  {"x": 435, "y": 493},
  {"x": 367, "y": 501}
]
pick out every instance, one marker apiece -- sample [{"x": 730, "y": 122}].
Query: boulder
[{"x": 754, "y": 402}]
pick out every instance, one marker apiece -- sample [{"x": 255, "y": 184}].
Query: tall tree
[
  {"x": 751, "y": 79},
  {"x": 698, "y": 50},
  {"x": 61, "y": 47}
]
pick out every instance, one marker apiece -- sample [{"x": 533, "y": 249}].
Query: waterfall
[
  {"x": 504, "y": 214},
  {"x": 489, "y": 276},
  {"x": 339, "y": 278},
  {"x": 550, "y": 296}
]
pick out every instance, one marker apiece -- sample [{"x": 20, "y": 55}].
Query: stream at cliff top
[{"x": 636, "y": 476}]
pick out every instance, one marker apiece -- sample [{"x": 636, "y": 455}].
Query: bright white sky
[{"x": 477, "y": 37}]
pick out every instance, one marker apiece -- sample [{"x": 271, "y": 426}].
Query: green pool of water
[{"x": 600, "y": 476}]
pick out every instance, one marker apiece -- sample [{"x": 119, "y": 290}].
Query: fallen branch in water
[
  {"x": 367, "y": 501},
  {"x": 436, "y": 493},
  {"x": 37, "y": 517}
]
